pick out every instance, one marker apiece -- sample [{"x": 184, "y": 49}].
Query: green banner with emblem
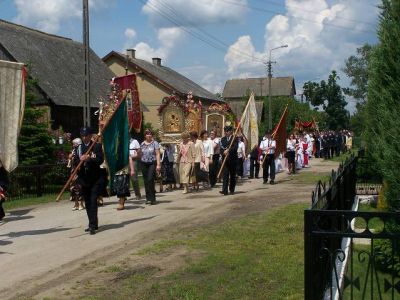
[{"x": 116, "y": 142}]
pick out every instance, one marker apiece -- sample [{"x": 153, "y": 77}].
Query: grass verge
[
  {"x": 254, "y": 257},
  {"x": 29, "y": 201},
  {"x": 310, "y": 177}
]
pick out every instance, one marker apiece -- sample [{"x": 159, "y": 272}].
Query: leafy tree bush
[
  {"x": 382, "y": 108},
  {"x": 329, "y": 95},
  {"x": 382, "y": 119}
]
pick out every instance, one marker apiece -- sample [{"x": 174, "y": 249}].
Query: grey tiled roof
[
  {"x": 57, "y": 63},
  {"x": 169, "y": 77},
  {"x": 237, "y": 88},
  {"x": 239, "y": 105}
]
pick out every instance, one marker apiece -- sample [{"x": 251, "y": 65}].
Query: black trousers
[
  {"x": 229, "y": 177},
  {"x": 269, "y": 167},
  {"x": 2, "y": 213},
  {"x": 214, "y": 168},
  {"x": 239, "y": 167},
  {"x": 90, "y": 194},
  {"x": 149, "y": 176},
  {"x": 254, "y": 166}
]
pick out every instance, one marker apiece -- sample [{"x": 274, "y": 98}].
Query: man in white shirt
[
  {"x": 134, "y": 148},
  {"x": 241, "y": 156},
  {"x": 214, "y": 167},
  {"x": 268, "y": 146}
]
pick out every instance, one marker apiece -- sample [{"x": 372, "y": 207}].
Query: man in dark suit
[
  {"x": 89, "y": 176},
  {"x": 230, "y": 152},
  {"x": 4, "y": 182}
]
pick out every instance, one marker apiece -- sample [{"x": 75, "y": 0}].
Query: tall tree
[
  {"x": 330, "y": 96},
  {"x": 382, "y": 108},
  {"x": 356, "y": 68}
]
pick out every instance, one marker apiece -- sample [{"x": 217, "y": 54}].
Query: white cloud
[
  {"x": 130, "y": 33},
  {"x": 189, "y": 13},
  {"x": 48, "y": 15},
  {"x": 168, "y": 38},
  {"x": 171, "y": 19},
  {"x": 314, "y": 31}
]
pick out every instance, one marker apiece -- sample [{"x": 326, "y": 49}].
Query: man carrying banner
[
  {"x": 4, "y": 182},
  {"x": 267, "y": 146},
  {"x": 229, "y": 148},
  {"x": 90, "y": 176}
]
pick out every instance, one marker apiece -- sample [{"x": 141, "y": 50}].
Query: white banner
[
  {"x": 249, "y": 123},
  {"x": 12, "y": 105}
]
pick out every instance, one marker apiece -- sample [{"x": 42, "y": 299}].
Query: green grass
[
  {"x": 23, "y": 202},
  {"x": 29, "y": 201},
  {"x": 310, "y": 177},
  {"x": 254, "y": 257},
  {"x": 374, "y": 224},
  {"x": 360, "y": 267}
]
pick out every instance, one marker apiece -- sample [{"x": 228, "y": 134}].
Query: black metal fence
[
  {"x": 35, "y": 181},
  {"x": 349, "y": 254}
]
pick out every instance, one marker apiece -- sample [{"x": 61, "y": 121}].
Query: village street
[{"x": 45, "y": 248}]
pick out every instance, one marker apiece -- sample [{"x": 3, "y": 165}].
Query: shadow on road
[
  {"x": 122, "y": 224},
  {"x": 33, "y": 232}
]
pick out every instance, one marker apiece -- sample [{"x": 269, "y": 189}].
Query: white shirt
[
  {"x": 134, "y": 146},
  {"x": 241, "y": 149},
  {"x": 268, "y": 143},
  {"x": 208, "y": 148},
  {"x": 216, "y": 146}
]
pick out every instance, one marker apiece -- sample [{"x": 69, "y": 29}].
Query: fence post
[
  {"x": 308, "y": 256},
  {"x": 39, "y": 185}
]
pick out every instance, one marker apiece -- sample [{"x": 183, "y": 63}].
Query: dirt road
[{"x": 44, "y": 248}]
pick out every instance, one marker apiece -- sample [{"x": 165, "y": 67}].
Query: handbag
[{"x": 121, "y": 184}]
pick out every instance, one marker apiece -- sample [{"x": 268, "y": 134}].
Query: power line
[
  {"x": 204, "y": 36},
  {"x": 316, "y": 12},
  {"x": 295, "y": 17}
]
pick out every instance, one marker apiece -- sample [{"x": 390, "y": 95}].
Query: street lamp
[{"x": 269, "y": 86}]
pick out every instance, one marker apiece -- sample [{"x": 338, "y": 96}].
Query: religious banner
[
  {"x": 12, "y": 104},
  {"x": 172, "y": 113},
  {"x": 193, "y": 122},
  {"x": 304, "y": 125},
  {"x": 249, "y": 123},
  {"x": 216, "y": 116},
  {"x": 280, "y": 134},
  {"x": 128, "y": 87},
  {"x": 215, "y": 122}
]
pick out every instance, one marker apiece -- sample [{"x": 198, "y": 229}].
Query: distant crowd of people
[{"x": 197, "y": 161}]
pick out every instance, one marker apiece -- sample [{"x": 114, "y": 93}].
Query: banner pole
[{"x": 234, "y": 136}]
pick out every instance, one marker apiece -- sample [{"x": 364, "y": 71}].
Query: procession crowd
[{"x": 198, "y": 161}]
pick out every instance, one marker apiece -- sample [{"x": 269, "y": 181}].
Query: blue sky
[{"x": 211, "y": 41}]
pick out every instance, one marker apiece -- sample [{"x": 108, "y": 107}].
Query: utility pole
[
  {"x": 269, "y": 68},
  {"x": 86, "y": 107}
]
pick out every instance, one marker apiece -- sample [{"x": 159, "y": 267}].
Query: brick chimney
[
  {"x": 156, "y": 61},
  {"x": 130, "y": 53}
]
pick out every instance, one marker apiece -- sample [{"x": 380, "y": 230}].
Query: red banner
[
  {"x": 128, "y": 87},
  {"x": 301, "y": 125},
  {"x": 279, "y": 133}
]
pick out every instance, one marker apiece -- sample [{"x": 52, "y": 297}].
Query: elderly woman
[
  {"x": 198, "y": 160},
  {"x": 76, "y": 186},
  {"x": 186, "y": 158},
  {"x": 150, "y": 161}
]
